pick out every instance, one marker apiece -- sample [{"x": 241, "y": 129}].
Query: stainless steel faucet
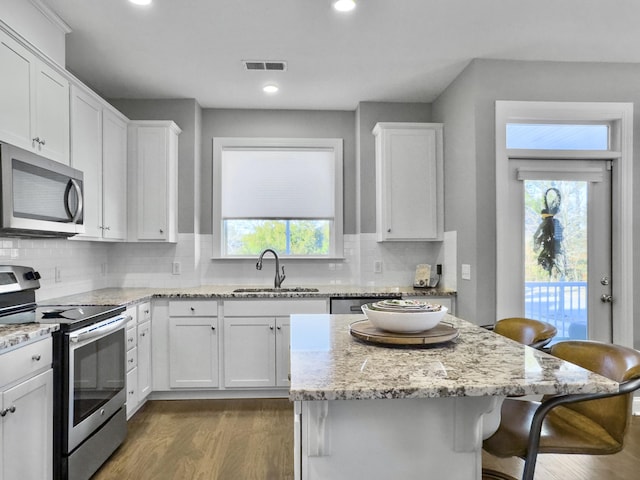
[{"x": 279, "y": 279}]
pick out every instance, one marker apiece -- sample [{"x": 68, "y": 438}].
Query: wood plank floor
[
  {"x": 206, "y": 439},
  {"x": 253, "y": 440}
]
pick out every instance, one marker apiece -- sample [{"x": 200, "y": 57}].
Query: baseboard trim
[{"x": 220, "y": 394}]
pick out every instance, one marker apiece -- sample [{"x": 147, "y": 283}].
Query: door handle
[{"x": 605, "y": 298}]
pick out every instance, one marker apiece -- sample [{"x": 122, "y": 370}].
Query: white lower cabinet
[
  {"x": 26, "y": 413},
  {"x": 256, "y": 340},
  {"x": 193, "y": 344},
  {"x": 138, "y": 356},
  {"x": 144, "y": 360}
]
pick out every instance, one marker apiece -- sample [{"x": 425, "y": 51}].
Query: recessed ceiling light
[
  {"x": 344, "y": 5},
  {"x": 141, "y": 2},
  {"x": 270, "y": 88}
]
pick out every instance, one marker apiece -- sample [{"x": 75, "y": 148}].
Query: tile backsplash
[{"x": 73, "y": 266}]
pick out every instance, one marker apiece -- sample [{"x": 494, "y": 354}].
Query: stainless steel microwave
[{"x": 40, "y": 197}]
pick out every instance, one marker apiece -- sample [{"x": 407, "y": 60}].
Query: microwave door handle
[{"x": 78, "y": 213}]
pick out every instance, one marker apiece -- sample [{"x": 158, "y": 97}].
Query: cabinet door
[
  {"x": 114, "y": 176},
  {"x": 16, "y": 93},
  {"x": 152, "y": 186},
  {"x": 409, "y": 182},
  {"x": 86, "y": 155},
  {"x": 52, "y": 113},
  {"x": 249, "y": 352},
  {"x": 193, "y": 352},
  {"x": 132, "y": 392},
  {"x": 26, "y": 433},
  {"x": 144, "y": 360},
  {"x": 283, "y": 347}
]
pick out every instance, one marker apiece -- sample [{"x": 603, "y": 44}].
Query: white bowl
[{"x": 404, "y": 322}]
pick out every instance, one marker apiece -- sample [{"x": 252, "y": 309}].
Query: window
[
  {"x": 284, "y": 194},
  {"x": 548, "y": 136}
]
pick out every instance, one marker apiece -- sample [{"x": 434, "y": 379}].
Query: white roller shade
[{"x": 282, "y": 183}]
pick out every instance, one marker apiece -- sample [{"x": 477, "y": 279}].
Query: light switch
[{"x": 466, "y": 271}]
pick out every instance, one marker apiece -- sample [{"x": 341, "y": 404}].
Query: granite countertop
[
  {"x": 128, "y": 296},
  {"x": 328, "y": 364},
  {"x": 13, "y": 335}
]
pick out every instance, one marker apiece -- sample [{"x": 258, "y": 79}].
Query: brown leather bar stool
[
  {"x": 588, "y": 424},
  {"x": 534, "y": 333}
]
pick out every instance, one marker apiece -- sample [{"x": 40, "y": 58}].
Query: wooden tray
[{"x": 365, "y": 331}]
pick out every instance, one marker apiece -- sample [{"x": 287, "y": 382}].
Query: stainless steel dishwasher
[{"x": 351, "y": 305}]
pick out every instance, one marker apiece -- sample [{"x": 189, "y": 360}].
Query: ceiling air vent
[{"x": 264, "y": 65}]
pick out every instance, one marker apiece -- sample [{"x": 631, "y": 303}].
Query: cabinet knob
[
  {"x": 36, "y": 140},
  {"x": 143, "y": 334},
  {"x": 161, "y": 231},
  {"x": 388, "y": 230},
  {"x": 270, "y": 327},
  {"x": 130, "y": 340},
  {"x": 107, "y": 228},
  {"x": 212, "y": 327},
  {"x": 42, "y": 142},
  {"x": 279, "y": 327},
  {"x": 131, "y": 360},
  {"x": 36, "y": 357},
  {"x": 193, "y": 309}
]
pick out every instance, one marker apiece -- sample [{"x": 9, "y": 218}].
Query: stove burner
[{"x": 55, "y": 313}]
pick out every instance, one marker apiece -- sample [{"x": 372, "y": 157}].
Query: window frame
[{"x": 334, "y": 144}]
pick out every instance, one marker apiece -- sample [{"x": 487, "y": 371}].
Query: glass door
[{"x": 561, "y": 217}]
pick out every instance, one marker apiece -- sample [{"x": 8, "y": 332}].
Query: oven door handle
[{"x": 99, "y": 331}]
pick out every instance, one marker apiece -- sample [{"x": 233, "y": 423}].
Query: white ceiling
[{"x": 385, "y": 50}]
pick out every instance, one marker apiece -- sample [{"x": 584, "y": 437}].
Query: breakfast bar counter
[{"x": 365, "y": 411}]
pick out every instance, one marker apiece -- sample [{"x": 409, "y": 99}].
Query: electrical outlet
[
  {"x": 176, "y": 268},
  {"x": 466, "y": 271},
  {"x": 377, "y": 266},
  {"x": 439, "y": 269},
  {"x": 58, "y": 274}
]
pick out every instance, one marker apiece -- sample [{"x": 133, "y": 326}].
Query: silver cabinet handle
[
  {"x": 143, "y": 334},
  {"x": 12, "y": 408},
  {"x": 130, "y": 340},
  {"x": 36, "y": 357},
  {"x": 131, "y": 360}
]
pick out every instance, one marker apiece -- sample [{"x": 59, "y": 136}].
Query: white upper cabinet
[
  {"x": 114, "y": 176},
  {"x": 153, "y": 181},
  {"x": 99, "y": 150},
  {"x": 409, "y": 181},
  {"x": 34, "y": 102}
]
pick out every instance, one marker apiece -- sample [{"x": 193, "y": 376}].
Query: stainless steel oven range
[
  {"x": 89, "y": 387},
  {"x": 89, "y": 373}
]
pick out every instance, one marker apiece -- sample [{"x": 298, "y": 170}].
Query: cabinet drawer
[
  {"x": 131, "y": 335},
  {"x": 132, "y": 358},
  {"x": 193, "y": 308},
  {"x": 144, "y": 312},
  {"x": 25, "y": 361},
  {"x": 243, "y": 308}
]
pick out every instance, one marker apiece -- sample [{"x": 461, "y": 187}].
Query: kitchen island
[{"x": 364, "y": 411}]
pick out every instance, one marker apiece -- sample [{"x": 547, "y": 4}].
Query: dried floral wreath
[{"x": 548, "y": 237}]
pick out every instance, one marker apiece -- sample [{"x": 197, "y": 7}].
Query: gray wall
[
  {"x": 186, "y": 113},
  {"x": 467, "y": 108},
  {"x": 368, "y": 114},
  {"x": 284, "y": 124}
]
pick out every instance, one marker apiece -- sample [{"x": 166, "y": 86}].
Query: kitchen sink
[{"x": 267, "y": 289}]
